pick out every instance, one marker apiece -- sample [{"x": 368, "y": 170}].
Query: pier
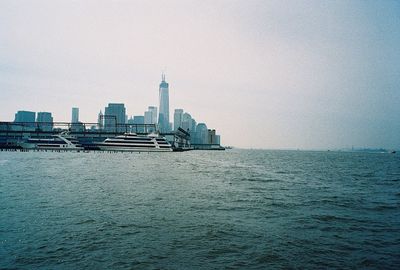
[{"x": 88, "y": 134}]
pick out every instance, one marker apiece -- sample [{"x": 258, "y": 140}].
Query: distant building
[
  {"x": 115, "y": 117},
  {"x": 163, "y": 117},
  {"x": 45, "y": 121},
  {"x": 100, "y": 120},
  {"x": 137, "y": 122},
  {"x": 77, "y": 127},
  {"x": 75, "y": 115},
  {"x": 178, "y": 114},
  {"x": 212, "y": 137},
  {"x": 153, "y": 110},
  {"x": 25, "y": 117},
  {"x": 186, "y": 122},
  {"x": 201, "y": 134},
  {"x": 138, "y": 119},
  {"x": 218, "y": 139},
  {"x": 150, "y": 116}
]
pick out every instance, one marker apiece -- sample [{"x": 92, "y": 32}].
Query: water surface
[{"x": 236, "y": 209}]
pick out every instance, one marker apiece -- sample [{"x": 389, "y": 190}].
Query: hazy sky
[{"x": 265, "y": 74}]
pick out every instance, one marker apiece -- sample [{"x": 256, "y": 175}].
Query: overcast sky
[{"x": 265, "y": 74}]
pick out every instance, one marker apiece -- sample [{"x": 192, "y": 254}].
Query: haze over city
[{"x": 265, "y": 74}]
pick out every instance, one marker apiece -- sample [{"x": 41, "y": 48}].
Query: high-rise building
[
  {"x": 212, "y": 137},
  {"x": 45, "y": 121},
  {"x": 163, "y": 117},
  {"x": 75, "y": 115},
  {"x": 115, "y": 117},
  {"x": 178, "y": 118},
  {"x": 153, "y": 110},
  {"x": 150, "y": 116},
  {"x": 26, "y": 117},
  {"x": 186, "y": 122},
  {"x": 100, "y": 120},
  {"x": 201, "y": 134}
]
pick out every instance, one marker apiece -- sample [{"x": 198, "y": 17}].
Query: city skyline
[{"x": 304, "y": 74}]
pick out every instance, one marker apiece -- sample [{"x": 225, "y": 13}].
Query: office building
[
  {"x": 178, "y": 114},
  {"x": 163, "y": 117},
  {"x": 115, "y": 117},
  {"x": 212, "y": 137},
  {"x": 138, "y": 119},
  {"x": 186, "y": 122},
  {"x": 45, "y": 121},
  {"x": 25, "y": 116},
  {"x": 75, "y": 115},
  {"x": 201, "y": 134},
  {"x": 150, "y": 116}
]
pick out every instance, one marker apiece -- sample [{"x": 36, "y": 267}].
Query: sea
[{"x": 233, "y": 209}]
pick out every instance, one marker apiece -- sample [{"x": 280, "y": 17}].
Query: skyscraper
[
  {"x": 153, "y": 110},
  {"x": 178, "y": 118},
  {"x": 75, "y": 115},
  {"x": 186, "y": 122},
  {"x": 150, "y": 116},
  {"x": 45, "y": 121},
  {"x": 201, "y": 134},
  {"x": 114, "y": 117},
  {"x": 100, "y": 120},
  {"x": 163, "y": 117}
]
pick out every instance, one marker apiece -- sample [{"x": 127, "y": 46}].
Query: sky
[{"x": 264, "y": 74}]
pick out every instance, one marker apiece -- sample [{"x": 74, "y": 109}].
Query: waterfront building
[
  {"x": 163, "y": 117},
  {"x": 211, "y": 136},
  {"x": 75, "y": 115},
  {"x": 193, "y": 127},
  {"x": 201, "y": 134},
  {"x": 178, "y": 114},
  {"x": 45, "y": 121},
  {"x": 218, "y": 139},
  {"x": 115, "y": 117}
]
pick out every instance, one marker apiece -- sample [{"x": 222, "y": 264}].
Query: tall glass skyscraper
[{"x": 163, "y": 117}]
